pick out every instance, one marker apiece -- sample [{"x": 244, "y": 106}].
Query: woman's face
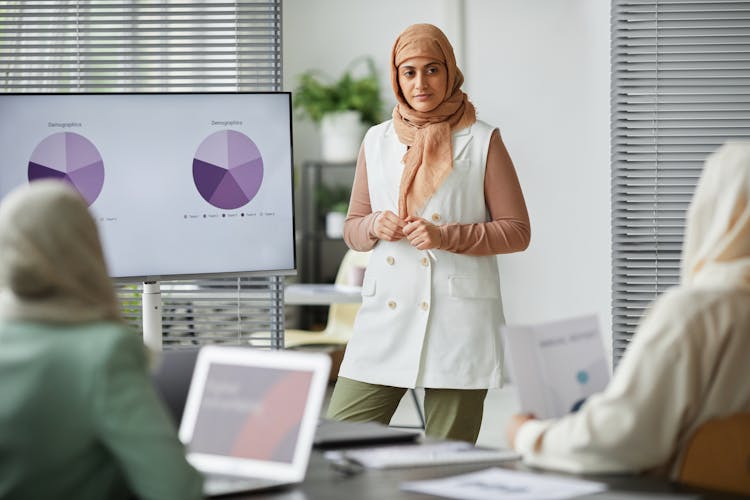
[{"x": 423, "y": 82}]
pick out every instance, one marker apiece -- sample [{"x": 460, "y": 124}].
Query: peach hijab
[
  {"x": 429, "y": 159},
  {"x": 717, "y": 239}
]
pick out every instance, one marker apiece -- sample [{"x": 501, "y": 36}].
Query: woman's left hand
[{"x": 421, "y": 234}]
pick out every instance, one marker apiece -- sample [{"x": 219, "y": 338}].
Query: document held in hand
[{"x": 556, "y": 366}]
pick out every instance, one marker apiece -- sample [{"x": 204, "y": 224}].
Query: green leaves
[
  {"x": 333, "y": 198},
  {"x": 314, "y": 98}
]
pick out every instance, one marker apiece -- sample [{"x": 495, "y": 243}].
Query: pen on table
[{"x": 346, "y": 465}]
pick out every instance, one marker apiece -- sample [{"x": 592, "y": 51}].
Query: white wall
[{"x": 539, "y": 70}]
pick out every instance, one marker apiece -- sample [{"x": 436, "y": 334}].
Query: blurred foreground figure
[
  {"x": 688, "y": 361},
  {"x": 79, "y": 417}
]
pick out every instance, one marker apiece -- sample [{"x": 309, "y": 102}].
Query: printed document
[
  {"x": 504, "y": 484},
  {"x": 556, "y": 366}
]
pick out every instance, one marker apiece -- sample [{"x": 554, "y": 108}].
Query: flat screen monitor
[{"x": 181, "y": 185}]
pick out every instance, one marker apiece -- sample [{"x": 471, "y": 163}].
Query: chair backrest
[
  {"x": 718, "y": 455},
  {"x": 341, "y": 316}
]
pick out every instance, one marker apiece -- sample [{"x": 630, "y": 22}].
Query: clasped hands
[{"x": 420, "y": 233}]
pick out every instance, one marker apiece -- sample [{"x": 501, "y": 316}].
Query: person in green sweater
[{"x": 79, "y": 417}]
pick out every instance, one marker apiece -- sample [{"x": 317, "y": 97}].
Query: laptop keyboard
[{"x": 218, "y": 485}]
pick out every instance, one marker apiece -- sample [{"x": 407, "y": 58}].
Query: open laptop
[
  {"x": 250, "y": 416},
  {"x": 171, "y": 378},
  {"x": 341, "y": 434}
]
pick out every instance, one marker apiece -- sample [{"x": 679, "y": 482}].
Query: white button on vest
[
  {"x": 390, "y": 260},
  {"x": 435, "y": 217},
  {"x": 392, "y": 304},
  {"x": 425, "y": 261},
  {"x": 424, "y": 306}
]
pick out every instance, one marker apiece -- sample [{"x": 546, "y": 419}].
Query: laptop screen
[{"x": 253, "y": 412}]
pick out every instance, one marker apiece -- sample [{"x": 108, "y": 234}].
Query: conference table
[
  {"x": 321, "y": 294},
  {"x": 311, "y": 294},
  {"x": 323, "y": 482}
]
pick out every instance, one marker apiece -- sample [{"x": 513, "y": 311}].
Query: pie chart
[
  {"x": 70, "y": 157},
  {"x": 227, "y": 169}
]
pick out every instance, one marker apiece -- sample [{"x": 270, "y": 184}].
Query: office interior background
[{"x": 540, "y": 70}]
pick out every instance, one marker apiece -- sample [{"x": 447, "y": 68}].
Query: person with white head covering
[
  {"x": 688, "y": 360},
  {"x": 436, "y": 198},
  {"x": 79, "y": 417}
]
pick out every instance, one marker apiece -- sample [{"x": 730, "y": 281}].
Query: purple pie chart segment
[
  {"x": 228, "y": 169},
  {"x": 72, "y": 158}
]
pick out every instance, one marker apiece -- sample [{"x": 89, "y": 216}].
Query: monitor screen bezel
[{"x": 152, "y": 278}]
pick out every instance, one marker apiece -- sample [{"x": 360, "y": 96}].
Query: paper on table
[
  {"x": 503, "y": 484},
  {"x": 412, "y": 455},
  {"x": 556, "y": 365}
]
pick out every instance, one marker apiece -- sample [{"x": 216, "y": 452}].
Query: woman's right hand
[
  {"x": 514, "y": 425},
  {"x": 388, "y": 226}
]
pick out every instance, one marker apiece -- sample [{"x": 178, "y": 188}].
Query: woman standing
[
  {"x": 436, "y": 197},
  {"x": 79, "y": 417}
]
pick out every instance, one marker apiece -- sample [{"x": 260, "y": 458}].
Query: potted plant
[
  {"x": 342, "y": 108},
  {"x": 335, "y": 218},
  {"x": 333, "y": 204}
]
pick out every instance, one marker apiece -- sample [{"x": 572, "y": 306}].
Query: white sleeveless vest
[{"x": 428, "y": 320}]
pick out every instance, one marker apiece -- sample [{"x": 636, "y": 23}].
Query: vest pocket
[
  {"x": 368, "y": 287},
  {"x": 472, "y": 288}
]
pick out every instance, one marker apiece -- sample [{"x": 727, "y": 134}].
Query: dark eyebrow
[{"x": 433, "y": 63}]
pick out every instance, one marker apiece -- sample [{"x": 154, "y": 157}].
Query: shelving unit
[{"x": 320, "y": 255}]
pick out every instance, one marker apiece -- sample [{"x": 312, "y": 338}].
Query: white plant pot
[
  {"x": 341, "y": 135},
  {"x": 335, "y": 224}
]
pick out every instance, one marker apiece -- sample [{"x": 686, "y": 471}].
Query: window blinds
[
  {"x": 159, "y": 46},
  {"x": 247, "y": 310},
  {"x": 680, "y": 89},
  {"x": 140, "y": 45}
]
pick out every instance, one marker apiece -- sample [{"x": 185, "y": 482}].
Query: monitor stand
[{"x": 151, "y": 304}]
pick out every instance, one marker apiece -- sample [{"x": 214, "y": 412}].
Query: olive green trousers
[{"x": 449, "y": 413}]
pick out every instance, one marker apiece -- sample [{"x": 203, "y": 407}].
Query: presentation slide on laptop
[{"x": 259, "y": 421}]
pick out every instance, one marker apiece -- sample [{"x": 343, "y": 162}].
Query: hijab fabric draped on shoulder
[
  {"x": 717, "y": 241},
  {"x": 52, "y": 267},
  {"x": 429, "y": 159}
]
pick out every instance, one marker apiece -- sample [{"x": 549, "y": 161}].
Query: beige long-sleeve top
[
  {"x": 688, "y": 363},
  {"x": 508, "y": 230}
]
